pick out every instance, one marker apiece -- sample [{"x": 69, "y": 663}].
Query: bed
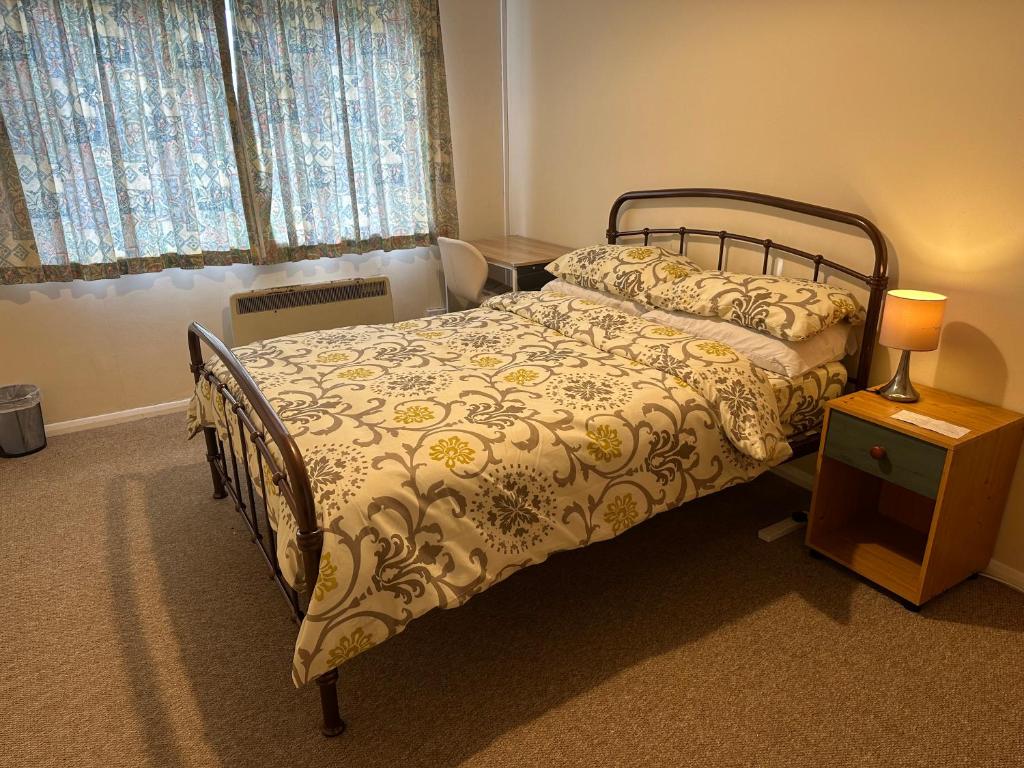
[{"x": 388, "y": 470}]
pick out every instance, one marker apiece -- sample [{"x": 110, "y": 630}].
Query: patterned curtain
[
  {"x": 116, "y": 120},
  {"x": 17, "y": 244},
  {"x": 344, "y": 115}
]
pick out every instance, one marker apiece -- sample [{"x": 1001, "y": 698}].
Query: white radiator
[{"x": 273, "y": 312}]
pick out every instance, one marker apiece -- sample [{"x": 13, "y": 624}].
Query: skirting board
[
  {"x": 118, "y": 417},
  {"x": 1004, "y": 574},
  {"x": 795, "y": 475}
]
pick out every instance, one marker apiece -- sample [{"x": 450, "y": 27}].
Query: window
[
  {"x": 117, "y": 121},
  {"x": 345, "y": 105},
  {"x": 118, "y": 152}
]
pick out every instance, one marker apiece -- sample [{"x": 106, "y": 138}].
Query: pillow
[
  {"x": 786, "y": 358},
  {"x": 568, "y": 289},
  {"x": 788, "y": 308},
  {"x": 628, "y": 271}
]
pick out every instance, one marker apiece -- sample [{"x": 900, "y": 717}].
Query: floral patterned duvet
[{"x": 449, "y": 452}]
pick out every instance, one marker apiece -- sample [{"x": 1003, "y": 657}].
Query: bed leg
[
  {"x": 332, "y": 724},
  {"x": 211, "y": 457}
]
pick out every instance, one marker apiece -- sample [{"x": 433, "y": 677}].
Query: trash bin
[{"x": 21, "y": 421}]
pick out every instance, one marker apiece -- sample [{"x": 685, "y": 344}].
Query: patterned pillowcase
[
  {"x": 787, "y": 308},
  {"x": 628, "y": 271}
]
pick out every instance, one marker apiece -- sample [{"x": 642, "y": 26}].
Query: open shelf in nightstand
[{"x": 873, "y": 527}]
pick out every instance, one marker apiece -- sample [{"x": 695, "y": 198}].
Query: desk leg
[{"x": 515, "y": 279}]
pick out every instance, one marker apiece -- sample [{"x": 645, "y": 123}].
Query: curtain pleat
[
  {"x": 437, "y": 139},
  {"x": 18, "y": 251}
]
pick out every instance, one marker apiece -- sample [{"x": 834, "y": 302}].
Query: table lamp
[{"x": 911, "y": 321}]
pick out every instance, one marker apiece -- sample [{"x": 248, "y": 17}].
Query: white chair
[{"x": 465, "y": 272}]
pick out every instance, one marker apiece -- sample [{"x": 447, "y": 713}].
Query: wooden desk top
[{"x": 515, "y": 251}]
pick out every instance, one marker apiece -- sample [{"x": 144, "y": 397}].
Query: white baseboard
[
  {"x": 1003, "y": 573},
  {"x": 796, "y": 475},
  {"x": 118, "y": 417}
]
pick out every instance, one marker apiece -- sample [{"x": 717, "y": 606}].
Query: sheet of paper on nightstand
[{"x": 934, "y": 425}]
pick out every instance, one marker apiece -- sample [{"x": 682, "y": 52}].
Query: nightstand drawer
[{"x": 892, "y": 456}]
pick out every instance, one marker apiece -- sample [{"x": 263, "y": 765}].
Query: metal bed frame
[{"x": 252, "y": 437}]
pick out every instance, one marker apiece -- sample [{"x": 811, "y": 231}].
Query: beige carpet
[{"x": 139, "y": 628}]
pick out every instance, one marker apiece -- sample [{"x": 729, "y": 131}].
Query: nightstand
[{"x": 909, "y": 509}]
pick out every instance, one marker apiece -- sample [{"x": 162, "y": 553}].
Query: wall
[
  {"x": 471, "y": 30},
  {"x": 909, "y": 113},
  {"x": 113, "y": 345}
]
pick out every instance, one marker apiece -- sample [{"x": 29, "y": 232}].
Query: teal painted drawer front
[{"x": 908, "y": 462}]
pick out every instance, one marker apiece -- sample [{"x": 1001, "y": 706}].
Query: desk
[{"x": 521, "y": 259}]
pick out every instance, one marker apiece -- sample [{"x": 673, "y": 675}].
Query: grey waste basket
[{"x": 21, "y": 421}]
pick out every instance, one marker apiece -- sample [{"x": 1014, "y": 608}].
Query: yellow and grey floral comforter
[
  {"x": 449, "y": 452},
  {"x": 801, "y": 399}
]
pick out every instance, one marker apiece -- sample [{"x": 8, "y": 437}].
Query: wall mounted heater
[{"x": 273, "y": 312}]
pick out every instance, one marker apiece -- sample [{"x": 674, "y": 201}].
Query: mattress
[{"x": 802, "y": 399}]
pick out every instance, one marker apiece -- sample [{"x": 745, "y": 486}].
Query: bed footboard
[{"x": 251, "y": 425}]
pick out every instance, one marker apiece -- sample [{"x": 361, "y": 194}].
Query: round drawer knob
[{"x": 877, "y": 452}]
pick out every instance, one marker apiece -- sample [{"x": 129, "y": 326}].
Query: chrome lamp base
[{"x": 899, "y": 387}]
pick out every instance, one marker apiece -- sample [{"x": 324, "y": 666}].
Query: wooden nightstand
[{"x": 912, "y": 510}]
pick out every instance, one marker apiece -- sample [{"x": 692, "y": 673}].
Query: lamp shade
[{"x": 912, "y": 320}]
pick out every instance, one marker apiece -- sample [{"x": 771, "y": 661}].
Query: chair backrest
[{"x": 465, "y": 269}]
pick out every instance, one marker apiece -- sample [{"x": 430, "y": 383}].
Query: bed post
[
  {"x": 310, "y": 539},
  {"x": 332, "y": 724},
  {"x": 209, "y": 433}
]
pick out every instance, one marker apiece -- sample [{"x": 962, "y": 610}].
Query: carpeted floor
[{"x": 139, "y": 628}]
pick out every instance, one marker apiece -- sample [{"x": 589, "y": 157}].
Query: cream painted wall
[
  {"x": 471, "y": 30},
  {"x": 910, "y": 113},
  {"x": 112, "y": 345}
]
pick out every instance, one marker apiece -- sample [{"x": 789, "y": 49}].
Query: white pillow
[
  {"x": 786, "y": 358},
  {"x": 598, "y": 297}
]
